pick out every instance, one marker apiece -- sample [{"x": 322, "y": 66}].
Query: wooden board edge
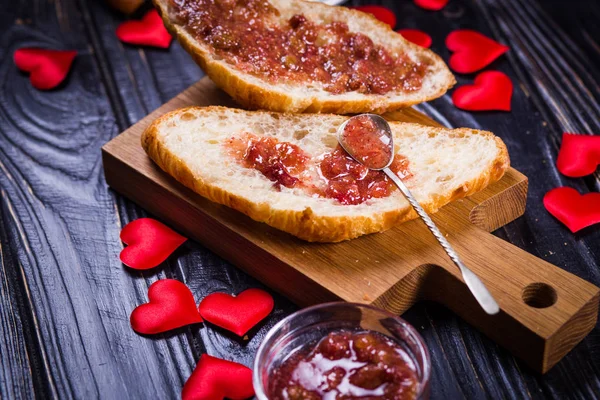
[
  {"x": 571, "y": 333},
  {"x": 490, "y": 212}
]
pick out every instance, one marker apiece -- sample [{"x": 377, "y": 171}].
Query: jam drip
[
  {"x": 341, "y": 177},
  {"x": 251, "y": 35},
  {"x": 346, "y": 365}
]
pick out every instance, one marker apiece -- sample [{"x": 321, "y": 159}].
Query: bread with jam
[
  {"x": 301, "y": 56},
  {"x": 288, "y": 171}
]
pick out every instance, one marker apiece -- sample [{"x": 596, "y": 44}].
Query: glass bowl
[{"x": 313, "y": 323}]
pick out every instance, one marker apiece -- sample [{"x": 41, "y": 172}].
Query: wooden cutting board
[{"x": 545, "y": 310}]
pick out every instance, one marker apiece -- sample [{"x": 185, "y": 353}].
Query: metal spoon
[{"x": 480, "y": 292}]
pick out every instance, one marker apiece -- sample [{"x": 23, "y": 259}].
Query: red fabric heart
[
  {"x": 150, "y": 31},
  {"x": 416, "y": 36},
  {"x": 216, "y": 379},
  {"x": 47, "y": 68},
  {"x": 383, "y": 14},
  {"x": 473, "y": 51},
  {"x": 492, "y": 90},
  {"x": 572, "y": 209},
  {"x": 149, "y": 243},
  {"x": 171, "y": 305},
  {"x": 433, "y": 5},
  {"x": 237, "y": 314},
  {"x": 579, "y": 155}
]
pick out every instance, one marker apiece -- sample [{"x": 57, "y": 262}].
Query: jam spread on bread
[
  {"x": 349, "y": 182},
  {"x": 279, "y": 161},
  {"x": 332, "y": 175},
  {"x": 252, "y": 36},
  {"x": 346, "y": 365}
]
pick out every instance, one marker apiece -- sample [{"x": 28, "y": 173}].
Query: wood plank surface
[{"x": 64, "y": 297}]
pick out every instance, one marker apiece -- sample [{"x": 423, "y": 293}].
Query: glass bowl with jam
[{"x": 342, "y": 351}]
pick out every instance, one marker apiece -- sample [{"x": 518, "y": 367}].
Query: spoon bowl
[{"x": 351, "y": 136}]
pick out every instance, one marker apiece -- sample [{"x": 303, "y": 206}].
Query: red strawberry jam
[
  {"x": 346, "y": 365},
  {"x": 286, "y": 164},
  {"x": 349, "y": 182},
  {"x": 368, "y": 142},
  {"x": 278, "y": 161},
  {"x": 252, "y": 36}
]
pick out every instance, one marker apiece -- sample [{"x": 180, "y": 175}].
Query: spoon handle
[{"x": 480, "y": 292}]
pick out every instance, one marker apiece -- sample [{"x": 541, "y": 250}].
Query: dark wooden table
[{"x": 65, "y": 298}]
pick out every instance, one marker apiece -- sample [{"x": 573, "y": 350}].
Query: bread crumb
[
  {"x": 246, "y": 337},
  {"x": 366, "y": 297}
]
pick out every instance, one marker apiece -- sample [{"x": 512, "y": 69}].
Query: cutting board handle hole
[{"x": 539, "y": 295}]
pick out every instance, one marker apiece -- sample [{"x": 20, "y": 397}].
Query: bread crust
[
  {"x": 306, "y": 224},
  {"x": 255, "y": 97}
]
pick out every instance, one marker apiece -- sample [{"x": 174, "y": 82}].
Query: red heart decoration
[
  {"x": 171, "y": 305},
  {"x": 416, "y": 36},
  {"x": 216, "y": 379},
  {"x": 383, "y": 14},
  {"x": 572, "y": 209},
  {"x": 237, "y": 314},
  {"x": 433, "y": 5},
  {"x": 150, "y": 31},
  {"x": 492, "y": 90},
  {"x": 149, "y": 243},
  {"x": 473, "y": 51},
  {"x": 47, "y": 68},
  {"x": 579, "y": 155}
]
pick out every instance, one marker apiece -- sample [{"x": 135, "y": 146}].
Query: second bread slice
[
  {"x": 194, "y": 146},
  {"x": 301, "y": 56}
]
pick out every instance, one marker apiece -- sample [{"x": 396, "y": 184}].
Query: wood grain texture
[{"x": 49, "y": 149}]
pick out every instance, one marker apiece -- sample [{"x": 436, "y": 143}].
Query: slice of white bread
[
  {"x": 190, "y": 145},
  {"x": 256, "y": 92}
]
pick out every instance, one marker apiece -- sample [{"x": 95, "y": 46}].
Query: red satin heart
[
  {"x": 149, "y": 243},
  {"x": 492, "y": 90},
  {"x": 383, "y": 14},
  {"x": 572, "y": 209},
  {"x": 171, "y": 305},
  {"x": 416, "y": 36},
  {"x": 237, "y": 314},
  {"x": 579, "y": 155},
  {"x": 433, "y": 5},
  {"x": 47, "y": 68},
  {"x": 150, "y": 31},
  {"x": 216, "y": 379},
  {"x": 473, "y": 51}
]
